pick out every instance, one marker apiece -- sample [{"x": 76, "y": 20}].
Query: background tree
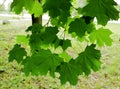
[{"x": 58, "y": 33}]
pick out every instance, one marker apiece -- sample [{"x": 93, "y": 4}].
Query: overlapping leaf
[
  {"x": 78, "y": 26},
  {"x": 42, "y": 62},
  {"x": 89, "y": 59},
  {"x": 17, "y": 7},
  {"x": 17, "y": 53},
  {"x": 60, "y": 9},
  {"x": 69, "y": 72},
  {"x": 28, "y": 4},
  {"x": 63, "y": 43},
  {"x": 37, "y": 9},
  {"x": 65, "y": 56},
  {"x": 101, "y": 37},
  {"x": 33, "y": 7},
  {"x": 49, "y": 35},
  {"x": 22, "y": 39},
  {"x": 103, "y": 10},
  {"x": 42, "y": 38},
  {"x": 34, "y": 40}
]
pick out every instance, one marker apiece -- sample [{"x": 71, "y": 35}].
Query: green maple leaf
[
  {"x": 35, "y": 37},
  {"x": 60, "y": 9},
  {"x": 54, "y": 21},
  {"x": 22, "y": 39},
  {"x": 49, "y": 35},
  {"x": 37, "y": 9},
  {"x": 28, "y": 4},
  {"x": 65, "y": 56},
  {"x": 66, "y": 44},
  {"x": 35, "y": 28},
  {"x": 34, "y": 7},
  {"x": 17, "y": 6},
  {"x": 90, "y": 27},
  {"x": 52, "y": 8},
  {"x": 42, "y": 36},
  {"x": 101, "y": 37},
  {"x": 78, "y": 26},
  {"x": 68, "y": 72},
  {"x": 89, "y": 59},
  {"x": 35, "y": 42},
  {"x": 42, "y": 62},
  {"x": 87, "y": 19},
  {"x": 17, "y": 53},
  {"x": 63, "y": 43},
  {"x": 103, "y": 10}
]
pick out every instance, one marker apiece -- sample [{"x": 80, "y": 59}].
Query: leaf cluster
[{"x": 43, "y": 40}]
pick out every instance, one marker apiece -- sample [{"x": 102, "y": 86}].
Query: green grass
[{"x": 12, "y": 76}]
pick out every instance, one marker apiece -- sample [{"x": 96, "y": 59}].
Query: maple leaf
[
  {"x": 63, "y": 43},
  {"x": 88, "y": 19},
  {"x": 68, "y": 72},
  {"x": 101, "y": 37},
  {"x": 49, "y": 35},
  {"x": 66, "y": 44},
  {"x": 65, "y": 56},
  {"x": 78, "y": 26},
  {"x": 17, "y": 7},
  {"x": 42, "y": 62},
  {"x": 17, "y": 53},
  {"x": 35, "y": 28},
  {"x": 89, "y": 59},
  {"x": 35, "y": 37},
  {"x": 22, "y": 39},
  {"x": 103, "y": 10},
  {"x": 90, "y": 28},
  {"x": 42, "y": 36},
  {"x": 37, "y": 9},
  {"x": 60, "y": 9},
  {"x": 28, "y": 4}
]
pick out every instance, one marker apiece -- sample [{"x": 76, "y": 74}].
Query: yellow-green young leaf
[
  {"x": 22, "y": 39},
  {"x": 103, "y": 10},
  {"x": 101, "y": 37},
  {"x": 65, "y": 56},
  {"x": 37, "y": 9}
]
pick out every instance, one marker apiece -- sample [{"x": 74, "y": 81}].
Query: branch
[{"x": 47, "y": 23}]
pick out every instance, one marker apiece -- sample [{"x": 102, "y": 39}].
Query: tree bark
[{"x": 37, "y": 19}]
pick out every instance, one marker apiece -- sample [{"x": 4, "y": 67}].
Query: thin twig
[{"x": 47, "y": 23}]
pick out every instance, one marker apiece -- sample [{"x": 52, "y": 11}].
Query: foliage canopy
[{"x": 43, "y": 40}]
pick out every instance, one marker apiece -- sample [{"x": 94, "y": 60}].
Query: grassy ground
[{"x": 12, "y": 77}]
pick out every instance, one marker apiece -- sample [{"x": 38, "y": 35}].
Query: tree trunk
[{"x": 37, "y": 19}]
